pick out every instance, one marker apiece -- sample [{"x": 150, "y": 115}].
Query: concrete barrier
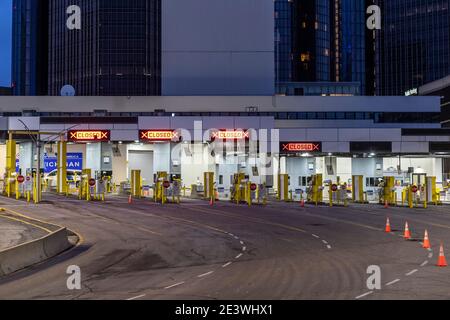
[{"x": 30, "y": 253}]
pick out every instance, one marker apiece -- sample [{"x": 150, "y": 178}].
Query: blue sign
[{"x": 74, "y": 162}]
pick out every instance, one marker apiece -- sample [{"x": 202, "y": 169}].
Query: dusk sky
[{"x": 5, "y": 42}]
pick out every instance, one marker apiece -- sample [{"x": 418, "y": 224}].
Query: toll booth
[
  {"x": 238, "y": 190},
  {"x": 167, "y": 189},
  {"x": 315, "y": 190},
  {"x": 84, "y": 189},
  {"x": 388, "y": 194},
  {"x": 337, "y": 194},
  {"x": 283, "y": 187},
  {"x": 415, "y": 196}
]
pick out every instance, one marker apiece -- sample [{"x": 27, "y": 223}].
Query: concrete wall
[{"x": 209, "y": 47}]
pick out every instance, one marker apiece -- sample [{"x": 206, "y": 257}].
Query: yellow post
[
  {"x": 317, "y": 181},
  {"x": 330, "y": 194},
  {"x": 357, "y": 189},
  {"x": 10, "y": 164},
  {"x": 17, "y": 190},
  {"x": 136, "y": 186},
  {"x": 61, "y": 173},
  {"x": 208, "y": 180},
  {"x": 28, "y": 196},
  {"x": 283, "y": 187}
]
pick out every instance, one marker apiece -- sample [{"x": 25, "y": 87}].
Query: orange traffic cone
[
  {"x": 388, "y": 226},
  {"x": 407, "y": 235},
  {"x": 386, "y": 204},
  {"x": 442, "y": 262},
  {"x": 426, "y": 241},
  {"x": 302, "y": 203},
  {"x": 130, "y": 199}
]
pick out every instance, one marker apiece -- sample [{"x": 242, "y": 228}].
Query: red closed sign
[
  {"x": 334, "y": 187},
  {"x": 28, "y": 178},
  {"x": 20, "y": 179},
  {"x": 253, "y": 187},
  {"x": 166, "y": 184},
  {"x": 414, "y": 189},
  {"x": 92, "y": 182}
]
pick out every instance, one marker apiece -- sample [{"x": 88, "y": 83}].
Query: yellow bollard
[{"x": 28, "y": 196}]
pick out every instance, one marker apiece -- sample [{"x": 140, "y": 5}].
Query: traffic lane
[
  {"x": 14, "y": 232},
  {"x": 265, "y": 247},
  {"x": 120, "y": 257},
  {"x": 364, "y": 247},
  {"x": 373, "y": 216},
  {"x": 268, "y": 247},
  {"x": 352, "y": 253},
  {"x": 429, "y": 281}
]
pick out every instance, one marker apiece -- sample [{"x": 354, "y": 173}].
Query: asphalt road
[{"x": 194, "y": 251}]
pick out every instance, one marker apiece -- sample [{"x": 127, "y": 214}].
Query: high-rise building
[
  {"x": 324, "y": 41},
  {"x": 413, "y": 45},
  {"x": 29, "y": 47},
  {"x": 117, "y": 51},
  {"x": 218, "y": 47}
]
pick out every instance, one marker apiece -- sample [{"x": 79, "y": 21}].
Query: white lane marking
[
  {"x": 324, "y": 242},
  {"x": 429, "y": 249},
  {"x": 237, "y": 238},
  {"x": 174, "y": 285},
  {"x": 329, "y": 247},
  {"x": 242, "y": 242},
  {"x": 137, "y": 297},
  {"x": 316, "y": 236},
  {"x": 227, "y": 264},
  {"x": 239, "y": 255},
  {"x": 205, "y": 274},
  {"x": 430, "y": 255},
  {"x": 364, "y": 295},
  {"x": 392, "y": 282},
  {"x": 424, "y": 263},
  {"x": 244, "y": 249},
  {"x": 412, "y": 272}
]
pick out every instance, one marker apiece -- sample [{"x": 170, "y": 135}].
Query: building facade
[
  {"x": 324, "y": 41},
  {"x": 217, "y": 47},
  {"x": 413, "y": 46},
  {"x": 116, "y": 52},
  {"x": 29, "y": 47},
  {"x": 337, "y": 137}
]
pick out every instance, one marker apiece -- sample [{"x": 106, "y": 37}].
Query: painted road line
[
  {"x": 174, "y": 285},
  {"x": 329, "y": 247},
  {"x": 205, "y": 274},
  {"x": 137, "y": 297},
  {"x": 412, "y": 272},
  {"x": 430, "y": 255},
  {"x": 324, "y": 242},
  {"x": 227, "y": 264},
  {"x": 316, "y": 236},
  {"x": 242, "y": 242},
  {"x": 244, "y": 249},
  {"x": 424, "y": 263},
  {"x": 239, "y": 255},
  {"x": 392, "y": 282},
  {"x": 364, "y": 295}
]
